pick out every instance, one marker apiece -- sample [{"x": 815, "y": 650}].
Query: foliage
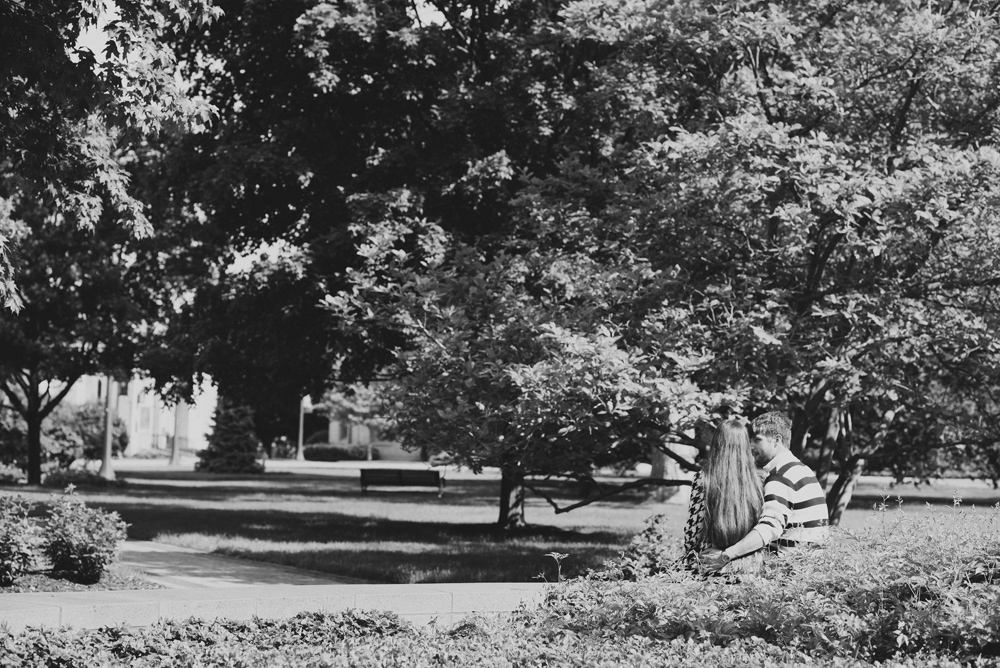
[
  {"x": 327, "y": 452},
  {"x": 258, "y": 335},
  {"x": 358, "y": 403},
  {"x": 499, "y": 368},
  {"x": 791, "y": 203},
  {"x": 79, "y": 541},
  {"x": 71, "y": 112},
  {"x": 232, "y": 446},
  {"x": 11, "y": 475},
  {"x": 62, "y": 478},
  {"x": 89, "y": 296},
  {"x": 18, "y": 539},
  {"x": 896, "y": 593},
  {"x": 69, "y": 433},
  {"x": 901, "y": 586}
]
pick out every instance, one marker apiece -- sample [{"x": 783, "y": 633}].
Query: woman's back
[{"x": 728, "y": 493}]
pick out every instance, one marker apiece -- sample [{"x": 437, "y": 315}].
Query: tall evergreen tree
[{"x": 232, "y": 446}]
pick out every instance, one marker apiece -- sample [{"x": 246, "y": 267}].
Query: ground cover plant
[
  {"x": 62, "y": 540},
  {"x": 903, "y": 589}
]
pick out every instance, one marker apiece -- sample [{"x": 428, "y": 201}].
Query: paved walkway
[
  {"x": 210, "y": 586},
  {"x": 176, "y": 567}
]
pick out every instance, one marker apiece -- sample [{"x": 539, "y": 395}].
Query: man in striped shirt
[{"x": 794, "y": 511}]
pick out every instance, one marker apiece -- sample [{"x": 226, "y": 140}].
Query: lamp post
[
  {"x": 305, "y": 406},
  {"x": 106, "y": 471}
]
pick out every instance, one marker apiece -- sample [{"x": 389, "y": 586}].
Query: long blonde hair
[{"x": 734, "y": 494}]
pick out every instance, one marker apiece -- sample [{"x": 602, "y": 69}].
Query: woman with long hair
[{"x": 726, "y": 497}]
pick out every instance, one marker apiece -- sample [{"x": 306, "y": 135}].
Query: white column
[
  {"x": 110, "y": 409},
  {"x": 181, "y": 421}
]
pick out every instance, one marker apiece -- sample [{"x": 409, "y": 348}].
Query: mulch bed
[{"x": 117, "y": 578}]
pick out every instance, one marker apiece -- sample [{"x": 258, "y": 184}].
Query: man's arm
[{"x": 774, "y": 516}]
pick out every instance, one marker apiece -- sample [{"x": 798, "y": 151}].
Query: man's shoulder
[{"x": 789, "y": 468}]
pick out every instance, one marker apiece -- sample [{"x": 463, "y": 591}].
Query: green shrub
[
  {"x": 232, "y": 446},
  {"x": 326, "y": 452},
  {"x": 63, "y": 478},
  {"x": 69, "y": 433},
  {"x": 12, "y": 475},
  {"x": 358, "y": 638},
  {"x": 79, "y": 541},
  {"x": 18, "y": 539},
  {"x": 903, "y": 586}
]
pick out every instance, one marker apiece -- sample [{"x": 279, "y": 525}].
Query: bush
[
  {"x": 69, "y": 433},
  {"x": 81, "y": 542},
  {"x": 63, "y": 478},
  {"x": 232, "y": 446},
  {"x": 18, "y": 539},
  {"x": 905, "y": 586},
  {"x": 12, "y": 475},
  {"x": 361, "y": 638},
  {"x": 326, "y": 452}
]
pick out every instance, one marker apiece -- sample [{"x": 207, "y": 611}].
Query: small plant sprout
[{"x": 557, "y": 557}]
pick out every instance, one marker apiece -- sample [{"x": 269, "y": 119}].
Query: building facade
[{"x": 152, "y": 424}]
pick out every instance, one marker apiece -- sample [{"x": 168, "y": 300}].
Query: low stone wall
[{"x": 442, "y": 604}]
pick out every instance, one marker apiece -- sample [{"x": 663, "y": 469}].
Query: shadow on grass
[
  {"x": 324, "y": 523},
  {"x": 462, "y": 562},
  {"x": 940, "y": 492},
  {"x": 202, "y": 487},
  {"x": 378, "y": 550}
]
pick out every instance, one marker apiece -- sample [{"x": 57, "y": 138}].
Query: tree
[
  {"x": 68, "y": 111},
  {"x": 498, "y": 368},
  {"x": 88, "y": 298},
  {"x": 232, "y": 446},
  {"x": 811, "y": 189},
  {"x": 259, "y": 335},
  {"x": 788, "y": 204},
  {"x": 69, "y": 433},
  {"x": 309, "y": 96}
]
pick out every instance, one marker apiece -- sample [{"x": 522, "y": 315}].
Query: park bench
[{"x": 401, "y": 478}]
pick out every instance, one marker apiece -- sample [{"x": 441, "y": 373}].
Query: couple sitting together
[{"x": 733, "y": 516}]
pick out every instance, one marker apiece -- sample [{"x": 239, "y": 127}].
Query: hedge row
[
  {"x": 363, "y": 639},
  {"x": 325, "y": 452},
  {"x": 908, "y": 590}
]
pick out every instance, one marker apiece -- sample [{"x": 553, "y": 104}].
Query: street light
[
  {"x": 305, "y": 406},
  {"x": 106, "y": 471}
]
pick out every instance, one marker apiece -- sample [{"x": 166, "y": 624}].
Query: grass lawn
[{"x": 324, "y": 523}]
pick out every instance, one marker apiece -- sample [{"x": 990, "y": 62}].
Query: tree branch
[
  {"x": 48, "y": 408},
  {"x": 684, "y": 464},
  {"x": 646, "y": 482},
  {"x": 14, "y": 399}
]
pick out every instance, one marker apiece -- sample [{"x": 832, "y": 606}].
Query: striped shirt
[{"x": 794, "y": 503}]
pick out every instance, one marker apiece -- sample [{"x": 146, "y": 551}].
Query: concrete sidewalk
[
  {"x": 176, "y": 567},
  {"x": 439, "y": 604},
  {"x": 211, "y": 586}
]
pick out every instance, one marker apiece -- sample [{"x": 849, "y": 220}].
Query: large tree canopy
[
  {"x": 566, "y": 231},
  {"x": 67, "y": 112},
  {"x": 796, "y": 203}
]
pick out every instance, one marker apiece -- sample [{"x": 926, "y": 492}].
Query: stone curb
[{"x": 441, "y": 604}]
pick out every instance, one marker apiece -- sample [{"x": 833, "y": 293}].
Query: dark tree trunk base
[{"x": 511, "y": 500}]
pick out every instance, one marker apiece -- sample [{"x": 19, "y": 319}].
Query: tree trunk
[
  {"x": 659, "y": 466},
  {"x": 829, "y": 447},
  {"x": 842, "y": 490},
  {"x": 34, "y": 421},
  {"x": 800, "y": 434},
  {"x": 33, "y": 417},
  {"x": 511, "y": 499},
  {"x": 802, "y": 419}
]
